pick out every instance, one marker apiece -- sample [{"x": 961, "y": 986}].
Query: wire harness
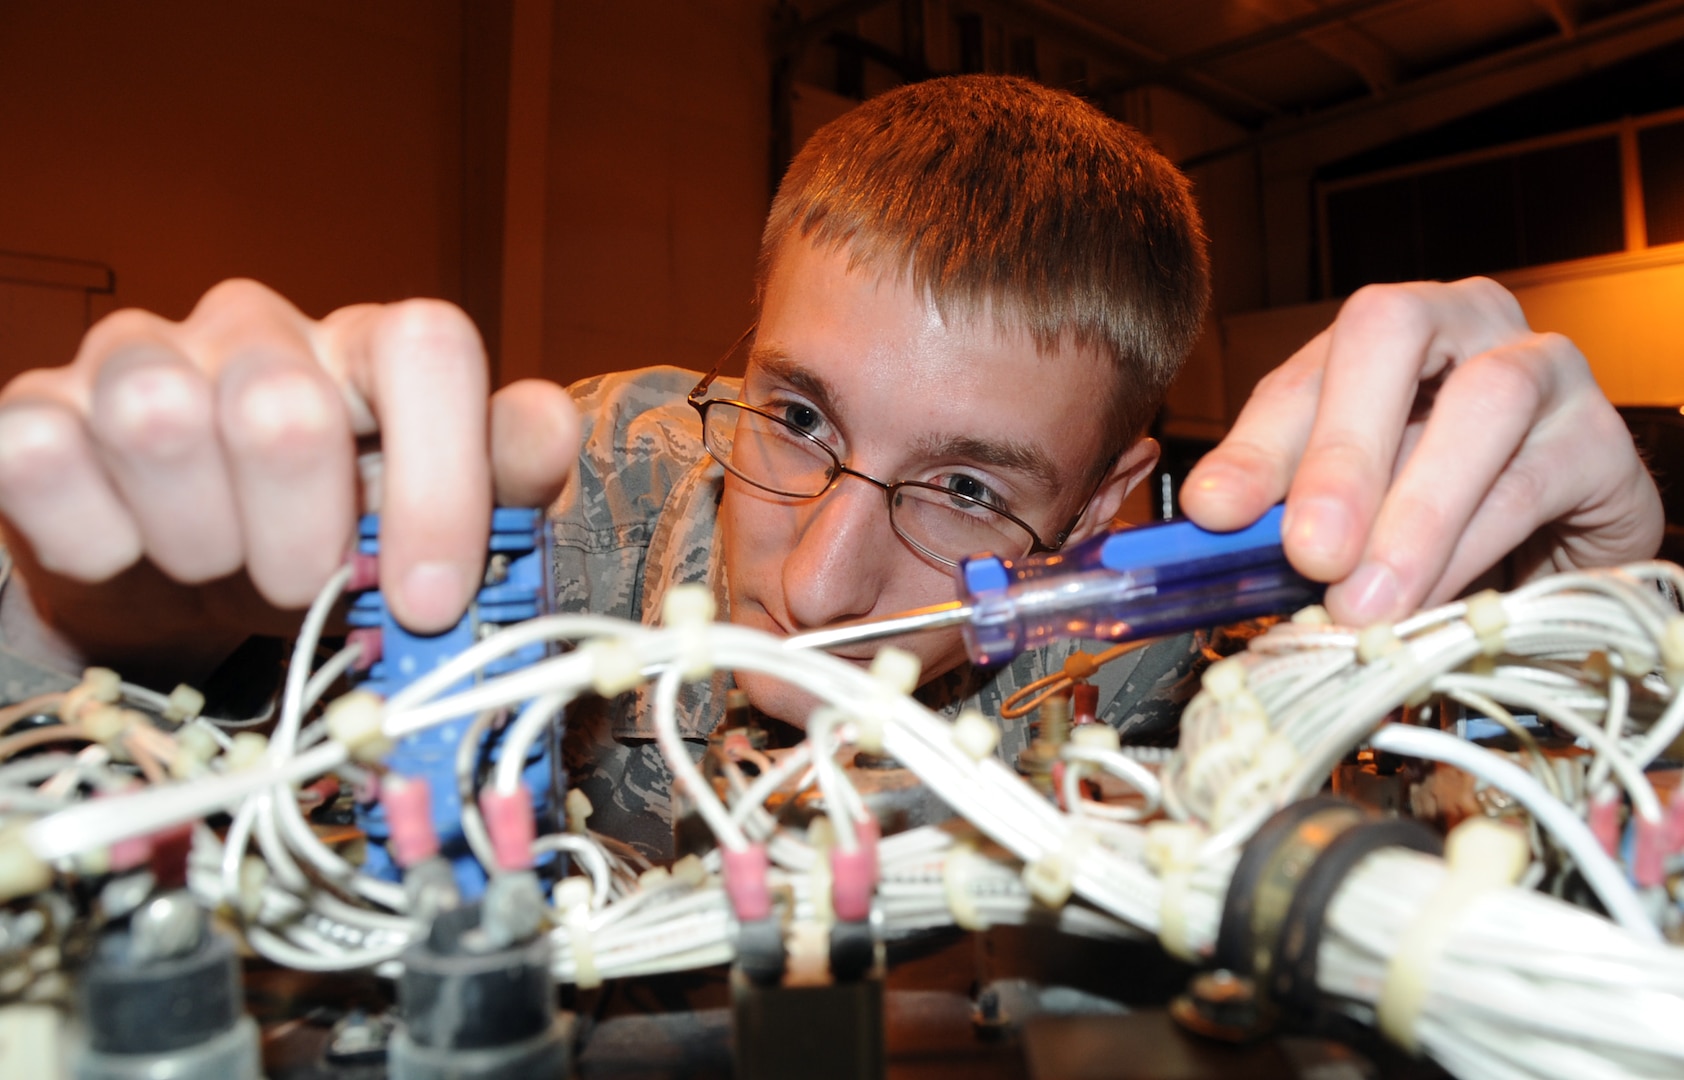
[{"x": 1499, "y": 980}]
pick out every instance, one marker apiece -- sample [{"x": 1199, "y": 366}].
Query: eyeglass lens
[{"x": 771, "y": 454}]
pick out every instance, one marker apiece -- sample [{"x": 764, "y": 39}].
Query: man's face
[{"x": 903, "y": 395}]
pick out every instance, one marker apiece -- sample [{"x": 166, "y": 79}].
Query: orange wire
[{"x": 1079, "y": 666}]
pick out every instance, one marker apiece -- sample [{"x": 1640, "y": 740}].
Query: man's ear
[{"x": 1131, "y": 467}]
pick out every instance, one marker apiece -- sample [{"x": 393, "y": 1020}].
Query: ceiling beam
[
  {"x": 1564, "y": 12},
  {"x": 1226, "y": 100},
  {"x": 1373, "y": 63},
  {"x": 1419, "y": 104}
]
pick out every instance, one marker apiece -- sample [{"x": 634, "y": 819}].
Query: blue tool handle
[{"x": 1129, "y": 583}]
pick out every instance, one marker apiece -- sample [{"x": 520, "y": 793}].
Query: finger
[
  {"x": 152, "y": 416},
  {"x": 1385, "y": 344},
  {"x": 534, "y": 442},
  {"x": 56, "y": 495},
  {"x": 1251, "y": 469},
  {"x": 1423, "y": 544},
  {"x": 286, "y": 436},
  {"x": 421, "y": 368}
]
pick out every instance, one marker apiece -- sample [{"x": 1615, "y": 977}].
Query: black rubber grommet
[
  {"x": 1292, "y": 974},
  {"x": 1234, "y": 947}
]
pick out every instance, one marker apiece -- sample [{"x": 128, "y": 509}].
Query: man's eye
[
  {"x": 970, "y": 487},
  {"x": 801, "y": 416}
]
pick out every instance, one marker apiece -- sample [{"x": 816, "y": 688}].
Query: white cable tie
[
  {"x": 1672, "y": 652},
  {"x": 194, "y": 748},
  {"x": 956, "y": 876},
  {"x": 975, "y": 736},
  {"x": 99, "y": 685},
  {"x": 688, "y": 611},
  {"x": 184, "y": 704},
  {"x": 615, "y": 666},
  {"x": 1274, "y": 763},
  {"x": 578, "y": 808},
  {"x": 1377, "y": 642},
  {"x": 1172, "y": 850},
  {"x": 1313, "y": 615},
  {"x": 1052, "y": 878},
  {"x": 1096, "y": 737},
  {"x": 1488, "y": 619},
  {"x": 247, "y": 752},
  {"x": 1224, "y": 679},
  {"x": 690, "y": 872},
  {"x": 897, "y": 669},
  {"x": 354, "y": 721},
  {"x": 573, "y": 899},
  {"x": 1480, "y": 855}
]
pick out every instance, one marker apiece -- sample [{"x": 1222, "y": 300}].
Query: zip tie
[
  {"x": 688, "y": 610},
  {"x": 956, "y": 876},
  {"x": 246, "y": 751},
  {"x": 1225, "y": 679},
  {"x": 1487, "y": 618},
  {"x": 579, "y": 809},
  {"x": 573, "y": 898},
  {"x": 1051, "y": 878},
  {"x": 1313, "y": 615},
  {"x": 1172, "y": 849},
  {"x": 101, "y": 685},
  {"x": 975, "y": 737},
  {"x": 184, "y": 704},
  {"x": 194, "y": 748},
  {"x": 1481, "y": 856},
  {"x": 1377, "y": 642},
  {"x": 1096, "y": 736},
  {"x": 1672, "y": 652},
  {"x": 615, "y": 666},
  {"x": 354, "y": 721},
  {"x": 897, "y": 669}
]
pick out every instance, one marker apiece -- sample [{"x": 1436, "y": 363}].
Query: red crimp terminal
[
  {"x": 1675, "y": 823},
  {"x": 745, "y": 882},
  {"x": 125, "y": 855},
  {"x": 170, "y": 851},
  {"x": 508, "y": 818},
  {"x": 365, "y": 572},
  {"x": 369, "y": 638},
  {"x": 1604, "y": 821},
  {"x": 409, "y": 814},
  {"x": 1648, "y": 867},
  {"x": 1084, "y": 703},
  {"x": 853, "y": 875}
]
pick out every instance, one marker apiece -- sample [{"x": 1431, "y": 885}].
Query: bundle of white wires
[{"x": 1524, "y": 985}]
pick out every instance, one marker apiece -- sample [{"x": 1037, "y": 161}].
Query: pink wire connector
[
  {"x": 745, "y": 882},
  {"x": 509, "y": 821},
  {"x": 1604, "y": 820},
  {"x": 853, "y": 875},
  {"x": 409, "y": 814}
]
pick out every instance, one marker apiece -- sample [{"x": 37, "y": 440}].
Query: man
[{"x": 977, "y": 285}]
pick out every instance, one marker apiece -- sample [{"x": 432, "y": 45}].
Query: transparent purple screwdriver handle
[{"x": 1145, "y": 581}]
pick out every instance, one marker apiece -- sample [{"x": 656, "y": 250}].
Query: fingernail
[
  {"x": 434, "y": 594},
  {"x": 1370, "y": 594},
  {"x": 1316, "y": 528}
]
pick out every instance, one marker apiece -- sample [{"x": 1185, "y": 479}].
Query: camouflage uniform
[{"x": 640, "y": 518}]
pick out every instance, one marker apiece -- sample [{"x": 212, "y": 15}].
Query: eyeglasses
[{"x": 776, "y": 455}]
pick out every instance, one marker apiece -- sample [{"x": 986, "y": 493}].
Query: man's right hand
[{"x": 180, "y": 486}]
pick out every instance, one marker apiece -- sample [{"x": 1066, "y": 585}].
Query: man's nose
[{"x": 843, "y": 553}]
